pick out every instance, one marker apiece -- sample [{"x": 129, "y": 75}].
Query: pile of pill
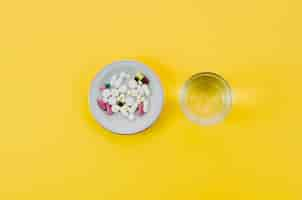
[{"x": 125, "y": 94}]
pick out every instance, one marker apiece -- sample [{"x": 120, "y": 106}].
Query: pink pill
[
  {"x": 101, "y": 104},
  {"x": 140, "y": 110},
  {"x": 109, "y": 109}
]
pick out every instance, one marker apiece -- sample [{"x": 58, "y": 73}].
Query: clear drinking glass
[{"x": 206, "y": 98}]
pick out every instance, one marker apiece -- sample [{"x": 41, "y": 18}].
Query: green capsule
[{"x": 107, "y": 85}]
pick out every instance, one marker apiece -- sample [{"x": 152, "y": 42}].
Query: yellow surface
[{"x": 51, "y": 147}]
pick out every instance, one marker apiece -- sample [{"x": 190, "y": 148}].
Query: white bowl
[{"x": 117, "y": 123}]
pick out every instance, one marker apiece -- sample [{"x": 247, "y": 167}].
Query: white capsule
[
  {"x": 106, "y": 93},
  {"x": 115, "y": 108},
  {"x": 114, "y": 92},
  {"x": 131, "y": 116},
  {"x": 123, "y": 89},
  {"x": 129, "y": 101},
  {"x": 112, "y": 100},
  {"x": 132, "y": 84},
  {"x": 146, "y": 89}
]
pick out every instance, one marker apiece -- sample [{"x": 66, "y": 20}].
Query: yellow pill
[{"x": 139, "y": 76}]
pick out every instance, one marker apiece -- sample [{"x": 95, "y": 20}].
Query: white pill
[
  {"x": 121, "y": 98},
  {"x": 133, "y": 93},
  {"x": 115, "y": 108},
  {"x": 140, "y": 83},
  {"x": 112, "y": 100},
  {"x": 117, "y": 83},
  {"x": 138, "y": 87},
  {"x": 132, "y": 84},
  {"x": 124, "y": 108},
  {"x": 140, "y": 91},
  {"x": 123, "y": 89},
  {"x": 146, "y": 90},
  {"x": 114, "y": 92},
  {"x": 133, "y": 108},
  {"x": 106, "y": 93},
  {"x": 131, "y": 116},
  {"x": 129, "y": 101}
]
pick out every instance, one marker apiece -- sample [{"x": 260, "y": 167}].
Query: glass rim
[{"x": 226, "y": 108}]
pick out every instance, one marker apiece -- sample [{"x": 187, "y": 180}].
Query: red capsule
[
  {"x": 145, "y": 80},
  {"x": 109, "y": 109},
  {"x": 101, "y": 104},
  {"x": 140, "y": 109}
]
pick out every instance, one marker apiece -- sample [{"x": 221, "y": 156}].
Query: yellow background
[{"x": 51, "y": 147}]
